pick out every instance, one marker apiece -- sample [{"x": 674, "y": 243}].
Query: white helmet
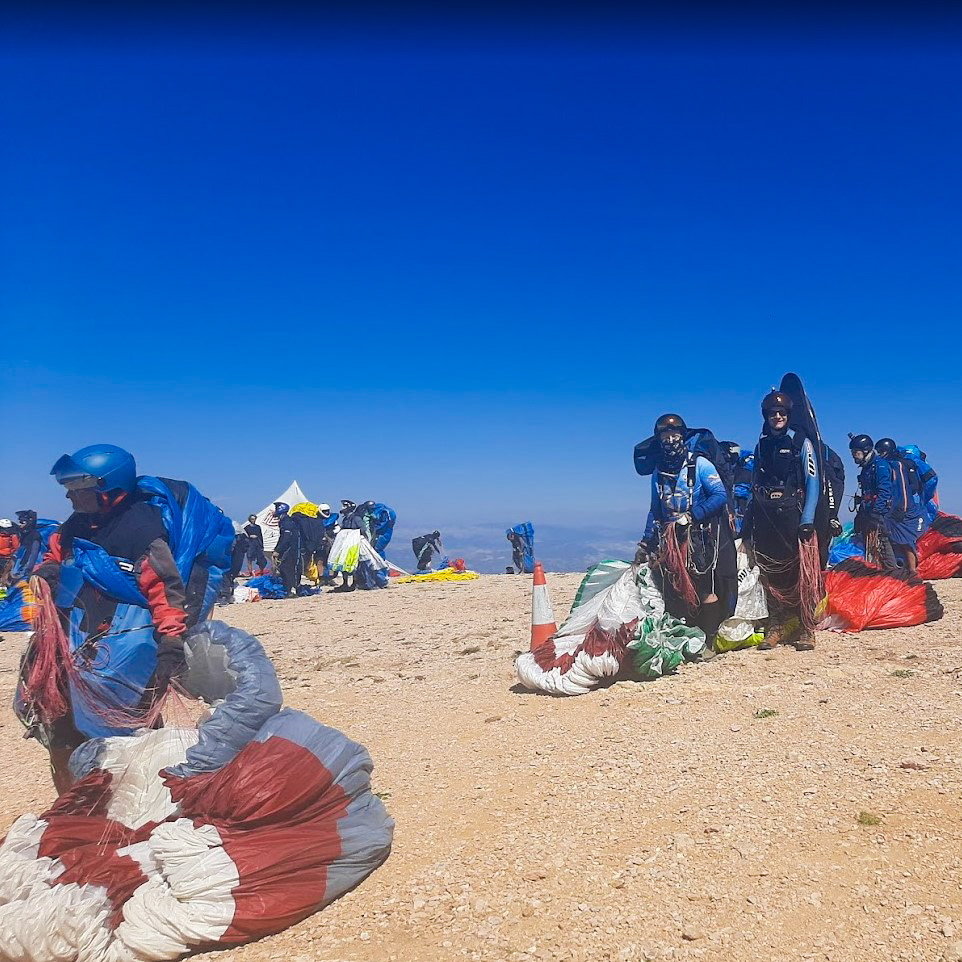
[
  {"x": 6, "y": 523},
  {"x": 324, "y": 510}
]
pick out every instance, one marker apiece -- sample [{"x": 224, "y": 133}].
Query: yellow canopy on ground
[{"x": 446, "y": 574}]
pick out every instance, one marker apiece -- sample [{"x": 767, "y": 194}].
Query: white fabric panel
[
  {"x": 60, "y": 923},
  {"x": 188, "y": 904},
  {"x": 265, "y": 517},
  {"x": 138, "y": 796}
]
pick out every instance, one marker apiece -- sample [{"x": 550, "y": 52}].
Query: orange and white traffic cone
[{"x": 542, "y": 615}]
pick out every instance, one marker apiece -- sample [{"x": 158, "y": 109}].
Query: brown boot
[
  {"x": 773, "y": 635},
  {"x": 805, "y": 641}
]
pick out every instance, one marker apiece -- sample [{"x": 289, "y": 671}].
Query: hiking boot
[
  {"x": 708, "y": 652},
  {"x": 774, "y": 635},
  {"x": 805, "y": 641}
]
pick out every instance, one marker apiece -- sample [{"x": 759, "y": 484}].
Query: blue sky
[{"x": 460, "y": 267}]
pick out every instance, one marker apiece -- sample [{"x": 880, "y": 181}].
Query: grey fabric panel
[
  {"x": 86, "y": 757},
  {"x": 225, "y": 662},
  {"x": 366, "y": 830}
]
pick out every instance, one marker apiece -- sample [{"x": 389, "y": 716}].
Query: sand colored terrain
[{"x": 710, "y": 815}]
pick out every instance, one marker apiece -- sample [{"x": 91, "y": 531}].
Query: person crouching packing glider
[
  {"x": 136, "y": 565},
  {"x": 779, "y": 525},
  {"x": 689, "y": 532}
]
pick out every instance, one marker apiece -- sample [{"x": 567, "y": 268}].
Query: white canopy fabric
[{"x": 265, "y": 517}]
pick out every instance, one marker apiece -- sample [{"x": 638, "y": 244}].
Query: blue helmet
[
  {"x": 280, "y": 509},
  {"x": 104, "y": 467}
]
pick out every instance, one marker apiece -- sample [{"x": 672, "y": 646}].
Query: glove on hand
[
  {"x": 641, "y": 554},
  {"x": 805, "y": 531},
  {"x": 835, "y": 527},
  {"x": 170, "y": 666}
]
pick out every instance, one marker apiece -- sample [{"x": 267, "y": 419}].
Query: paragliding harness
[{"x": 108, "y": 671}]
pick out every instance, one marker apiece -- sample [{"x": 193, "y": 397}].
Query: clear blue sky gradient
[{"x": 460, "y": 267}]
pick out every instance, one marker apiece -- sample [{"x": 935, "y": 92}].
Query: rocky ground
[{"x": 763, "y": 806}]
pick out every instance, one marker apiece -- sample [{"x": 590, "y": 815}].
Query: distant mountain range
[{"x": 486, "y": 549}]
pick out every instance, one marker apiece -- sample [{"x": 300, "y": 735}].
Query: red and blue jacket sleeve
[{"x": 162, "y": 586}]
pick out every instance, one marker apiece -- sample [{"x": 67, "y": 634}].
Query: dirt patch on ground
[{"x": 763, "y": 806}]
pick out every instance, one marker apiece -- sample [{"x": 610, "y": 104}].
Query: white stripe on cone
[{"x": 542, "y": 614}]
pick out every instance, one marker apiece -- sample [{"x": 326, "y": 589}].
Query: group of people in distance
[
  {"x": 789, "y": 520},
  {"x": 304, "y": 545}
]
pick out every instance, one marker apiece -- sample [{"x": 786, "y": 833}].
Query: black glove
[
  {"x": 642, "y": 552},
  {"x": 835, "y": 527},
  {"x": 170, "y": 666},
  {"x": 805, "y": 531}
]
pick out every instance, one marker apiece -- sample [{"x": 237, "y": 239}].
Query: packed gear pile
[{"x": 617, "y": 605}]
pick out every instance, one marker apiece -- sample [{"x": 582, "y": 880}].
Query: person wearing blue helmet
[
  {"x": 109, "y": 514},
  {"x": 906, "y": 520},
  {"x": 875, "y": 499},
  {"x": 288, "y": 550}
]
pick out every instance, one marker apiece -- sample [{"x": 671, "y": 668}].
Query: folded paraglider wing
[
  {"x": 940, "y": 549},
  {"x": 256, "y": 820},
  {"x": 17, "y": 608},
  {"x": 861, "y": 596},
  {"x": 618, "y": 607}
]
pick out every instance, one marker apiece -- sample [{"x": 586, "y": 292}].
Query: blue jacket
[
  {"x": 672, "y": 496},
  {"x": 875, "y": 480}
]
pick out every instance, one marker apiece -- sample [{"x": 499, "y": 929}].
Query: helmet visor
[{"x": 81, "y": 483}]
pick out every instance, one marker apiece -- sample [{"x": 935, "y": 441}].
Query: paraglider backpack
[
  {"x": 834, "y": 481},
  {"x": 915, "y": 482}
]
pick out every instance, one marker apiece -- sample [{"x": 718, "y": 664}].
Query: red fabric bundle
[
  {"x": 860, "y": 597},
  {"x": 940, "y": 549}
]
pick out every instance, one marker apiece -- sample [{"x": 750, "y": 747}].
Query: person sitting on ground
[
  {"x": 906, "y": 521},
  {"x": 256, "y": 559},
  {"x": 779, "y": 523},
  {"x": 689, "y": 533},
  {"x": 874, "y": 502}
]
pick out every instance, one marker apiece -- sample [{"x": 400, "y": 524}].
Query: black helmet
[
  {"x": 776, "y": 399},
  {"x": 886, "y": 447},
  {"x": 860, "y": 442},
  {"x": 27, "y": 518},
  {"x": 667, "y": 421}
]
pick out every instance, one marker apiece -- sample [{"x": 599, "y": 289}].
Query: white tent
[{"x": 265, "y": 517}]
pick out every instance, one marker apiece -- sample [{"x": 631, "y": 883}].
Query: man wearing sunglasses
[{"x": 101, "y": 484}]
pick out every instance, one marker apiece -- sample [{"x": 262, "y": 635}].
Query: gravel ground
[{"x": 763, "y": 806}]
